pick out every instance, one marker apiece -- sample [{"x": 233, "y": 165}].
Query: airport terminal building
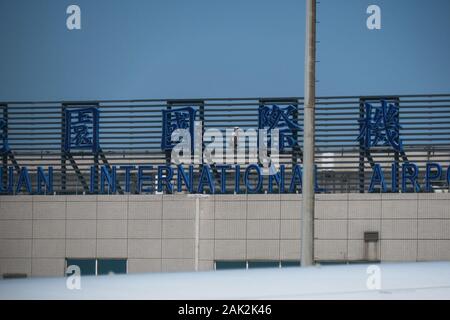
[{"x": 96, "y": 184}]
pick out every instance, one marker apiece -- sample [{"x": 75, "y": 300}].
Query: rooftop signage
[
  {"x": 170, "y": 179},
  {"x": 214, "y": 161}
]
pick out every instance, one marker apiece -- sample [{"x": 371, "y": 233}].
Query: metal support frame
[
  {"x": 168, "y": 153},
  {"x": 63, "y": 153},
  {"x": 78, "y": 172},
  {"x": 4, "y": 181},
  {"x": 104, "y": 159},
  {"x": 362, "y": 153},
  {"x": 396, "y": 153}
]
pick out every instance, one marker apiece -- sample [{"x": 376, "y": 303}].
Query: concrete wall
[{"x": 157, "y": 233}]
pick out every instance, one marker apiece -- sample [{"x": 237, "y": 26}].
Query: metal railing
[{"x": 130, "y": 133}]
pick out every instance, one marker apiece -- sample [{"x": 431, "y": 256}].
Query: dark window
[
  {"x": 285, "y": 264},
  {"x": 263, "y": 264},
  {"x": 363, "y": 262},
  {"x": 331, "y": 263},
  {"x": 14, "y": 275},
  {"x": 108, "y": 266},
  {"x": 87, "y": 266},
  {"x": 224, "y": 265}
]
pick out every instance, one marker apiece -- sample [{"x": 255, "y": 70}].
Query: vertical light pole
[
  {"x": 307, "y": 253},
  {"x": 197, "y": 198}
]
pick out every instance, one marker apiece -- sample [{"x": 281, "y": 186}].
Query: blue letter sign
[
  {"x": 380, "y": 126},
  {"x": 182, "y": 118},
  {"x": 281, "y": 118},
  {"x": 82, "y": 129}
]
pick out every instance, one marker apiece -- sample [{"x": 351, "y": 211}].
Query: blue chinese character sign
[
  {"x": 282, "y": 118},
  {"x": 82, "y": 129},
  {"x": 3, "y": 136},
  {"x": 182, "y": 118},
  {"x": 380, "y": 127}
]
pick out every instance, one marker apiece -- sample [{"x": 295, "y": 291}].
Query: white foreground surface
[{"x": 424, "y": 280}]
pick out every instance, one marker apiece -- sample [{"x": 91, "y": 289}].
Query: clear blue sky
[{"x": 210, "y": 48}]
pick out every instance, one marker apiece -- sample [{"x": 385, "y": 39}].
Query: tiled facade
[{"x": 157, "y": 232}]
